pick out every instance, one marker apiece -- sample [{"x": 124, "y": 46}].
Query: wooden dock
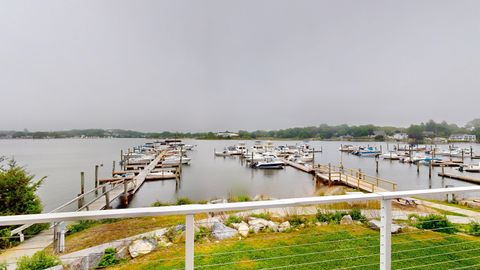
[
  {"x": 348, "y": 177},
  {"x": 123, "y": 187},
  {"x": 460, "y": 177},
  {"x": 298, "y": 166}
]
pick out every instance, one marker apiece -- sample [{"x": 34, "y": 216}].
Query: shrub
[
  {"x": 18, "y": 196},
  {"x": 474, "y": 229},
  {"x": 297, "y": 220},
  {"x": 240, "y": 198},
  {"x": 81, "y": 226},
  {"x": 3, "y": 266},
  {"x": 232, "y": 219},
  {"x": 266, "y": 216},
  {"x": 356, "y": 214},
  {"x": 109, "y": 258},
  {"x": 183, "y": 201},
  {"x": 39, "y": 261},
  {"x": 201, "y": 233},
  {"x": 435, "y": 222},
  {"x": 331, "y": 217},
  {"x": 159, "y": 203}
]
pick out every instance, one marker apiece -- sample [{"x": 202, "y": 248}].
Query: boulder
[
  {"x": 376, "y": 224},
  {"x": 158, "y": 234},
  {"x": 284, "y": 226},
  {"x": 252, "y": 221},
  {"x": 243, "y": 229},
  {"x": 164, "y": 242},
  {"x": 141, "y": 247},
  {"x": 346, "y": 220},
  {"x": 273, "y": 226},
  {"x": 220, "y": 231},
  {"x": 79, "y": 264},
  {"x": 94, "y": 259},
  {"x": 179, "y": 227},
  {"x": 122, "y": 253}
]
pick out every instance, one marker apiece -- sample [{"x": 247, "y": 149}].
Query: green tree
[
  {"x": 18, "y": 196},
  {"x": 415, "y": 132}
]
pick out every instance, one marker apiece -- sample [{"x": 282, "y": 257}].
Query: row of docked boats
[
  {"x": 419, "y": 154},
  {"x": 268, "y": 155}
]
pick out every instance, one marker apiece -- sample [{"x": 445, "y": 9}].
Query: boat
[
  {"x": 366, "y": 152},
  {"x": 470, "y": 168},
  {"x": 347, "y": 148},
  {"x": 269, "y": 163},
  {"x": 306, "y": 157},
  {"x": 390, "y": 156},
  {"x": 175, "y": 160},
  {"x": 161, "y": 175}
]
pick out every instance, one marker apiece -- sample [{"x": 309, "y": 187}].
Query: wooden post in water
[
  {"x": 376, "y": 163},
  {"x": 418, "y": 167},
  {"x": 329, "y": 172},
  {"x": 471, "y": 152},
  {"x": 430, "y": 166},
  {"x": 82, "y": 189},
  {"x": 181, "y": 156},
  {"x": 113, "y": 167},
  {"x": 96, "y": 176},
  {"x": 443, "y": 171},
  {"x": 313, "y": 156}
]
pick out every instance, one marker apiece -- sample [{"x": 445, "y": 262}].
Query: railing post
[
  {"x": 189, "y": 242},
  {"x": 386, "y": 235},
  {"x": 60, "y": 236}
]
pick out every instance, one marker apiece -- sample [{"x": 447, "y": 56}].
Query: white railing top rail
[{"x": 206, "y": 208}]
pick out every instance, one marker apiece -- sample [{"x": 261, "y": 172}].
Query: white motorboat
[
  {"x": 174, "y": 160},
  {"x": 470, "y": 168},
  {"x": 390, "y": 156},
  {"x": 161, "y": 175},
  {"x": 269, "y": 163}
]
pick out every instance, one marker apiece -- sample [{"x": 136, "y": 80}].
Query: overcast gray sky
[{"x": 215, "y": 65}]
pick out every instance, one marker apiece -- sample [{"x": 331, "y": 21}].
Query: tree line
[{"x": 416, "y": 132}]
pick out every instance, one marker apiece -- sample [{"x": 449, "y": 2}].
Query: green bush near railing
[{"x": 39, "y": 261}]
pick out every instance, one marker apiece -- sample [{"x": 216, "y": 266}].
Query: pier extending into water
[{"x": 339, "y": 175}]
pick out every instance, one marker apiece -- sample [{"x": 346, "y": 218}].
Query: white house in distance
[
  {"x": 462, "y": 138},
  {"x": 227, "y": 134},
  {"x": 400, "y": 136}
]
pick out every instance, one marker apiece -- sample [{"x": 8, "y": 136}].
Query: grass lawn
[{"x": 321, "y": 247}]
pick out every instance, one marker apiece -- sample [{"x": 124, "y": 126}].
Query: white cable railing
[{"x": 382, "y": 249}]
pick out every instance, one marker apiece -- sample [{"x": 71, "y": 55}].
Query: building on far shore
[
  {"x": 227, "y": 134},
  {"x": 462, "y": 138},
  {"x": 400, "y": 136}
]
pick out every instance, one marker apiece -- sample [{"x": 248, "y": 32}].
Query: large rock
[
  {"x": 284, "y": 226},
  {"x": 79, "y": 264},
  {"x": 122, "y": 253},
  {"x": 164, "y": 242},
  {"x": 273, "y": 226},
  {"x": 257, "y": 224},
  {"x": 220, "y": 231},
  {"x": 346, "y": 220},
  {"x": 242, "y": 228},
  {"x": 94, "y": 259},
  {"x": 141, "y": 247},
  {"x": 376, "y": 224}
]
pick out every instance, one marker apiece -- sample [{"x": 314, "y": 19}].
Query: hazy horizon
[{"x": 236, "y": 65}]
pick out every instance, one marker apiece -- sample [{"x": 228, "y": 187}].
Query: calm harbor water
[{"x": 207, "y": 177}]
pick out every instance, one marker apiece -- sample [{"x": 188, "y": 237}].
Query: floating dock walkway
[
  {"x": 348, "y": 177},
  {"x": 460, "y": 177}
]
